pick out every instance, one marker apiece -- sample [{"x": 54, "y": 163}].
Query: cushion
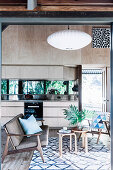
[
  {"x": 28, "y": 115},
  {"x": 32, "y": 140},
  {"x": 14, "y": 127},
  {"x": 98, "y": 121},
  {"x": 30, "y": 125},
  {"x": 44, "y": 136},
  {"x": 28, "y": 142}
]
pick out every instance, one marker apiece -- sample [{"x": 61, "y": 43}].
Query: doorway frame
[{"x": 63, "y": 21}]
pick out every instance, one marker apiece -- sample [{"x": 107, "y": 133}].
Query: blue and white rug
[{"x": 97, "y": 158}]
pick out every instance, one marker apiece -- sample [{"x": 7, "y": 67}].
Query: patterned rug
[{"x": 97, "y": 158}]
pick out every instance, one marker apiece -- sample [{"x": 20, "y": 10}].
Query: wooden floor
[{"x": 21, "y": 161}]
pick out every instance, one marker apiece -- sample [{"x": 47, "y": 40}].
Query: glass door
[{"x": 92, "y": 89}]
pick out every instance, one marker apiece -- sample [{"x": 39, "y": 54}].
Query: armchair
[{"x": 100, "y": 124}]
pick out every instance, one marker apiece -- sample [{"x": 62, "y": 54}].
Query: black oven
[{"x": 34, "y": 108}]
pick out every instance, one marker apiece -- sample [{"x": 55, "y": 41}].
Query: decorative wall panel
[{"x": 101, "y": 37}]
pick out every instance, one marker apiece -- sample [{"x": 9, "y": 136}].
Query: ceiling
[
  {"x": 58, "y": 2},
  {"x": 58, "y": 5}
]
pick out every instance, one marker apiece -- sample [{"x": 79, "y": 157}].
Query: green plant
[
  {"x": 73, "y": 115},
  {"x": 90, "y": 114}
]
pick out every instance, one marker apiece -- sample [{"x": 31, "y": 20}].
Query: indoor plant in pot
[{"x": 75, "y": 116}]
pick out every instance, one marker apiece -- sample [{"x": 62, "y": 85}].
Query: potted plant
[{"x": 74, "y": 115}]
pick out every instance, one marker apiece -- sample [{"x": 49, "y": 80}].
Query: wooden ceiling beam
[
  {"x": 75, "y": 8},
  {"x": 74, "y": 2},
  {"x": 13, "y": 2},
  {"x": 56, "y": 5},
  {"x": 58, "y": 2}
]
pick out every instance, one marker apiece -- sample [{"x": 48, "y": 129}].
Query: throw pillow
[{"x": 30, "y": 125}]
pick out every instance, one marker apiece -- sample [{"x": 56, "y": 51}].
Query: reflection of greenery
[
  {"x": 4, "y": 87},
  {"x": 71, "y": 84},
  {"x": 13, "y": 86},
  {"x": 36, "y": 87},
  {"x": 33, "y": 87},
  {"x": 39, "y": 88},
  {"x": 57, "y": 85}
]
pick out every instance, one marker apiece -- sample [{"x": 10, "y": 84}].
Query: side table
[
  {"x": 84, "y": 138},
  {"x": 61, "y": 135}
]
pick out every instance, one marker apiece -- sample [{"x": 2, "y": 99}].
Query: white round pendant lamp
[{"x": 69, "y": 39}]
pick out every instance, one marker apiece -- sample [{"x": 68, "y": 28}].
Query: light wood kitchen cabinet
[
  {"x": 52, "y": 111},
  {"x": 42, "y": 72}
]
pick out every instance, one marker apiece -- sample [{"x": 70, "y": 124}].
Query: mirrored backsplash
[{"x": 39, "y": 89}]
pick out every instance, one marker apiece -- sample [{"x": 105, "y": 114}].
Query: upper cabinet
[{"x": 39, "y": 72}]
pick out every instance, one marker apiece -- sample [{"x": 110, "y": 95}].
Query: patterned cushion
[
  {"x": 98, "y": 121},
  {"x": 14, "y": 127}
]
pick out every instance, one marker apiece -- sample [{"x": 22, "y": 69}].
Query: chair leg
[
  {"x": 39, "y": 148},
  {"x": 100, "y": 130},
  {"x": 6, "y": 149}
]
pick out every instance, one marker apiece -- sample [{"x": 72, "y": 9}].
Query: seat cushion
[
  {"x": 14, "y": 127},
  {"x": 28, "y": 142},
  {"x": 32, "y": 141},
  {"x": 44, "y": 136}
]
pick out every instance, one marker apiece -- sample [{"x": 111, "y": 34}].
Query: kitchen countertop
[{"x": 39, "y": 100}]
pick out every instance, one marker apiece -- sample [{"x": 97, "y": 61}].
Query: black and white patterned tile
[
  {"x": 101, "y": 37},
  {"x": 98, "y": 157}
]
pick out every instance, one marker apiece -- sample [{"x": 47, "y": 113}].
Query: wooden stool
[
  {"x": 61, "y": 135},
  {"x": 83, "y": 133}
]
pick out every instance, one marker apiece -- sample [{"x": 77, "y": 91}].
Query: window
[{"x": 92, "y": 89}]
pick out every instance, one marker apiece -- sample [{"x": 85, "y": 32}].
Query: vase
[{"x": 78, "y": 126}]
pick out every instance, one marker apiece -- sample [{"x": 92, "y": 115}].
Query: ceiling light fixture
[{"x": 69, "y": 39}]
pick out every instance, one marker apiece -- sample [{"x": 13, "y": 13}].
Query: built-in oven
[{"x": 34, "y": 108}]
